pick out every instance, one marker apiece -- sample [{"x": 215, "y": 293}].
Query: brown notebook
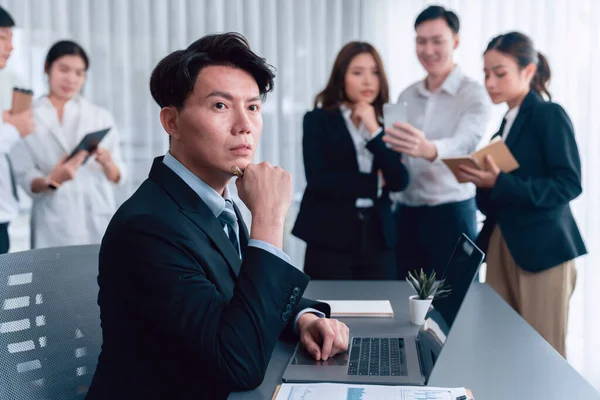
[
  {"x": 497, "y": 149},
  {"x": 21, "y": 100}
]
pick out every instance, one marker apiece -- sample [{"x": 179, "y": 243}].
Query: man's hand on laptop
[{"x": 322, "y": 337}]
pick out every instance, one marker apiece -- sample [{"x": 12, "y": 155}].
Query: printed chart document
[
  {"x": 360, "y": 308},
  {"x": 338, "y": 391}
]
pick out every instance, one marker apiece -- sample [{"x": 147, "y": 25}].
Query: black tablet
[{"x": 89, "y": 142}]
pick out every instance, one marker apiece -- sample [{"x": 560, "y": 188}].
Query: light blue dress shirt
[{"x": 216, "y": 203}]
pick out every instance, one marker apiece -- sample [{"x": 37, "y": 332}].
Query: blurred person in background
[
  {"x": 12, "y": 129},
  {"x": 345, "y": 216},
  {"x": 73, "y": 199}
]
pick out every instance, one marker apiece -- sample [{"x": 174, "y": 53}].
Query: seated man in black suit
[{"x": 192, "y": 304}]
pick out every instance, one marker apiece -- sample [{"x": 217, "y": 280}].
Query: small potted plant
[{"x": 427, "y": 288}]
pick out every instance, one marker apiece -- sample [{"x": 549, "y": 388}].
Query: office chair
[{"x": 50, "y": 334}]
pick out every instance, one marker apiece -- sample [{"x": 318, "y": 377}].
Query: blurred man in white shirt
[
  {"x": 447, "y": 116},
  {"x": 12, "y": 128}
]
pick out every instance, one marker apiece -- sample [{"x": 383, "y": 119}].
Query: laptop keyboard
[{"x": 377, "y": 357}]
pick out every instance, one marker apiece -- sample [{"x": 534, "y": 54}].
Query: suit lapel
[
  {"x": 522, "y": 117},
  {"x": 342, "y": 139},
  {"x": 516, "y": 128},
  {"x": 196, "y": 211},
  {"x": 205, "y": 220},
  {"x": 497, "y": 134}
]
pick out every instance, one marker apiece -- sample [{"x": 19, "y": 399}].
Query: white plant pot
[{"x": 418, "y": 309}]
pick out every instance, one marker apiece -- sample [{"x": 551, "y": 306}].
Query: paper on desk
[
  {"x": 360, "y": 308},
  {"x": 338, "y": 391}
]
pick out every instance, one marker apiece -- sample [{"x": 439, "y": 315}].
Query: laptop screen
[{"x": 459, "y": 274}]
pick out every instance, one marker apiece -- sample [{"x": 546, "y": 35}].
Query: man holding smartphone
[
  {"x": 12, "y": 128},
  {"x": 447, "y": 114}
]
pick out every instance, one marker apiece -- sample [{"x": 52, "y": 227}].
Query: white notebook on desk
[{"x": 360, "y": 308}]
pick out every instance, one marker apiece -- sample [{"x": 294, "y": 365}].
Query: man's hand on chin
[{"x": 322, "y": 337}]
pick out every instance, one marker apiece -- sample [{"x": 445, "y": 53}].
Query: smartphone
[{"x": 393, "y": 113}]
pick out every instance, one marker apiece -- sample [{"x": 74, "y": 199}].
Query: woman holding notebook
[
  {"x": 345, "y": 216},
  {"x": 530, "y": 236},
  {"x": 73, "y": 198}
]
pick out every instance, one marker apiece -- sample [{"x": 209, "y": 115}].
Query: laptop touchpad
[{"x": 302, "y": 357}]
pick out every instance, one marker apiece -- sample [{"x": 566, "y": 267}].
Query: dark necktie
[
  {"x": 229, "y": 220},
  {"x": 13, "y": 182}
]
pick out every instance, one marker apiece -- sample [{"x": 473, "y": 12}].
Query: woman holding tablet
[{"x": 73, "y": 197}]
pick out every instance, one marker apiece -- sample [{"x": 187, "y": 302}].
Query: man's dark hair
[
  {"x": 6, "y": 20},
  {"x": 174, "y": 77},
  {"x": 435, "y": 12}
]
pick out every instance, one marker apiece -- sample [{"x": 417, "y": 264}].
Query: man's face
[
  {"x": 5, "y": 45},
  {"x": 220, "y": 123},
  {"x": 435, "y": 44}
]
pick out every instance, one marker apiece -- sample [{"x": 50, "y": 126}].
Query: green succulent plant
[{"x": 426, "y": 286}]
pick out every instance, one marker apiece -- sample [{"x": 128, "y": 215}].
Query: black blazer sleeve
[
  {"x": 483, "y": 200},
  {"x": 394, "y": 172},
  {"x": 562, "y": 182},
  {"x": 169, "y": 288},
  {"x": 322, "y": 179},
  {"x": 289, "y": 333}
]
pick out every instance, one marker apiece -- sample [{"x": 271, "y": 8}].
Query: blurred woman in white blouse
[{"x": 73, "y": 199}]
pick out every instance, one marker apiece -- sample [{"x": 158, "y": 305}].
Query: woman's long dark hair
[
  {"x": 520, "y": 47},
  {"x": 65, "y": 48},
  {"x": 334, "y": 93}
]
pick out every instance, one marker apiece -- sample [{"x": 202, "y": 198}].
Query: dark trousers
[
  {"x": 370, "y": 260},
  {"x": 427, "y": 235},
  {"x": 4, "y": 242}
]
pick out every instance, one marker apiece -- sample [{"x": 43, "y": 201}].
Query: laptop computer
[{"x": 400, "y": 358}]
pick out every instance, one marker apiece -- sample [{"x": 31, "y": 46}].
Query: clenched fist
[{"x": 267, "y": 192}]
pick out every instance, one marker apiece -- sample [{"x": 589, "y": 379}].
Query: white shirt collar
[
  {"x": 512, "y": 114},
  {"x": 346, "y": 111},
  {"x": 450, "y": 85},
  {"x": 45, "y": 101}
]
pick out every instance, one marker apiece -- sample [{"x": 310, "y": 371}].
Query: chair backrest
[{"x": 50, "y": 334}]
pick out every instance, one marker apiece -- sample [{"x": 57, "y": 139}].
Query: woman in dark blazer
[
  {"x": 345, "y": 216},
  {"x": 529, "y": 234}
]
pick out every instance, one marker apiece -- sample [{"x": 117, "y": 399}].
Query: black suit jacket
[
  {"x": 531, "y": 204},
  {"x": 333, "y": 183},
  {"x": 182, "y": 316}
]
